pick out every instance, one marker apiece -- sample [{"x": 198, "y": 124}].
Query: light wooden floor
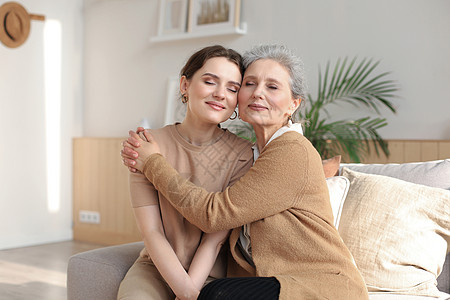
[{"x": 37, "y": 272}]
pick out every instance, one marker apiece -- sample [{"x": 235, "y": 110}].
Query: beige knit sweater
[
  {"x": 285, "y": 198},
  {"x": 213, "y": 167}
]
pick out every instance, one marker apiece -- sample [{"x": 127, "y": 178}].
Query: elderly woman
[{"x": 283, "y": 239}]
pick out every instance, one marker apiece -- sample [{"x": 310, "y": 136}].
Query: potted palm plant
[{"x": 348, "y": 82}]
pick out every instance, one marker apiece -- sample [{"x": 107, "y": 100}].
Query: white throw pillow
[
  {"x": 397, "y": 231},
  {"x": 338, "y": 188}
]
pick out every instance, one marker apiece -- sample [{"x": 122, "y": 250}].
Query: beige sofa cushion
[{"x": 397, "y": 231}]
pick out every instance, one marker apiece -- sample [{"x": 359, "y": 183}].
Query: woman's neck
[
  {"x": 199, "y": 133},
  {"x": 263, "y": 134}
]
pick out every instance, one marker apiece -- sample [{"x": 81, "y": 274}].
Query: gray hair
[{"x": 286, "y": 58}]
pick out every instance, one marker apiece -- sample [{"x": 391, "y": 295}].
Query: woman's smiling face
[
  {"x": 265, "y": 98},
  {"x": 213, "y": 90}
]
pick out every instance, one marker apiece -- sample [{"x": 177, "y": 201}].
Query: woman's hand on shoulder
[
  {"x": 136, "y": 150},
  {"x": 128, "y": 154}
]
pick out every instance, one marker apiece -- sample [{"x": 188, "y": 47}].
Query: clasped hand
[{"x": 137, "y": 148}]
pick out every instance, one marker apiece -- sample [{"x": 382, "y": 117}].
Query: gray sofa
[{"x": 97, "y": 274}]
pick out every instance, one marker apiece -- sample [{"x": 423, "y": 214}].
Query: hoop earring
[
  {"x": 184, "y": 98},
  {"x": 235, "y": 116}
]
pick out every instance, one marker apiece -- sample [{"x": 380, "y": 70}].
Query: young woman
[
  {"x": 178, "y": 257},
  {"x": 282, "y": 203}
]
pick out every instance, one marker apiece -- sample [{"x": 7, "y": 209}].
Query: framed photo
[
  {"x": 213, "y": 15},
  {"x": 175, "y": 109},
  {"x": 172, "y": 16}
]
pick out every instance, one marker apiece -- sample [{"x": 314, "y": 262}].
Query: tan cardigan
[{"x": 285, "y": 198}]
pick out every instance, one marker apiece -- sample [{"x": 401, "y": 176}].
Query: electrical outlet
[{"x": 92, "y": 217}]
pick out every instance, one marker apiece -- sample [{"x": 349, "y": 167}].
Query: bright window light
[{"x": 52, "y": 77}]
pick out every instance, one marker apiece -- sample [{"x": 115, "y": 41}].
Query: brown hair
[{"x": 198, "y": 59}]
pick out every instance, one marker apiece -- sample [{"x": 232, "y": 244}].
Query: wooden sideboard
[{"x": 100, "y": 184}]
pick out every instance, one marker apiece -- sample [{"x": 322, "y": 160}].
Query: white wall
[
  {"x": 125, "y": 78},
  {"x": 25, "y": 218}
]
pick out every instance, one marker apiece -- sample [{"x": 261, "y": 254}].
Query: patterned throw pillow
[{"x": 397, "y": 231}]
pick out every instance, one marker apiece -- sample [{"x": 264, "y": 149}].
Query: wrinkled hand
[{"x": 137, "y": 148}]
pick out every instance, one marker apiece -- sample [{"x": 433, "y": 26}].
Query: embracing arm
[
  {"x": 166, "y": 261},
  {"x": 146, "y": 209},
  {"x": 162, "y": 254},
  {"x": 206, "y": 256},
  {"x": 265, "y": 190}
]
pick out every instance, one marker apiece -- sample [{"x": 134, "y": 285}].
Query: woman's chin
[
  {"x": 253, "y": 120},
  {"x": 219, "y": 117},
  {"x": 216, "y": 120}
]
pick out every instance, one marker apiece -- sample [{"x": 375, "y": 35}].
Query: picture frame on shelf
[
  {"x": 175, "y": 109},
  {"x": 213, "y": 15},
  {"x": 172, "y": 17}
]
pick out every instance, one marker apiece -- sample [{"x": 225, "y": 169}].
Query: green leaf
[{"x": 356, "y": 84}]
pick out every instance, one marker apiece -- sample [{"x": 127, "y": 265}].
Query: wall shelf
[{"x": 193, "y": 35}]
